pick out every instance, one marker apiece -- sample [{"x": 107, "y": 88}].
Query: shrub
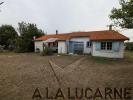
[
  {"x": 1, "y": 48},
  {"x": 47, "y": 51},
  {"x": 129, "y": 46}
]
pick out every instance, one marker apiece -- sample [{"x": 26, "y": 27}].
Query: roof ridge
[{"x": 79, "y": 32}]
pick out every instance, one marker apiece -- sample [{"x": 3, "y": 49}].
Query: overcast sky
[{"x": 63, "y": 15}]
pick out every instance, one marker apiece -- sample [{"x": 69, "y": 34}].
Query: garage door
[{"x": 78, "y": 47}]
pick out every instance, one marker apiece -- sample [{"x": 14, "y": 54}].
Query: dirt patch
[{"x": 21, "y": 74}]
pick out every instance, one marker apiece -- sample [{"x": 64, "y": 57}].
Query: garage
[{"x": 76, "y": 47}]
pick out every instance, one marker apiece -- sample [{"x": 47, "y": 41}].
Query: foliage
[
  {"x": 25, "y": 42},
  {"x": 123, "y": 16},
  {"x": 1, "y": 48},
  {"x": 7, "y": 36},
  {"x": 20, "y": 45},
  {"x": 129, "y": 46},
  {"x": 10, "y": 40},
  {"x": 46, "y": 51}
]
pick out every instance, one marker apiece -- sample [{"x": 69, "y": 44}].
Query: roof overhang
[
  {"x": 109, "y": 39},
  {"x": 50, "y": 40}
]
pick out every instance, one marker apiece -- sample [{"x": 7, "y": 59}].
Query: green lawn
[
  {"x": 129, "y": 54},
  {"x": 128, "y": 58}
]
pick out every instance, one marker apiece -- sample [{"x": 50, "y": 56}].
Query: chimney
[
  {"x": 110, "y": 27},
  {"x": 56, "y": 32}
]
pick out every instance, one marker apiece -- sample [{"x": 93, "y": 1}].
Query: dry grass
[{"x": 20, "y": 74}]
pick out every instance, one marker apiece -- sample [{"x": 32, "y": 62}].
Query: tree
[
  {"x": 7, "y": 35},
  {"x": 129, "y": 46},
  {"x": 1, "y": 3},
  {"x": 123, "y": 16},
  {"x": 27, "y": 31}
]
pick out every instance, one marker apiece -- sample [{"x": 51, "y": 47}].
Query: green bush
[
  {"x": 47, "y": 51},
  {"x": 129, "y": 46},
  {"x": 1, "y": 48}
]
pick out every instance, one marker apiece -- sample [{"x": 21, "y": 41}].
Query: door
[{"x": 78, "y": 47}]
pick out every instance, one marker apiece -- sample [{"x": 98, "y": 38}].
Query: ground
[{"x": 21, "y": 74}]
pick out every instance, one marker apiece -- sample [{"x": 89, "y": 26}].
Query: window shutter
[
  {"x": 98, "y": 45},
  {"x": 71, "y": 49},
  {"x": 67, "y": 46},
  {"x": 116, "y": 46}
]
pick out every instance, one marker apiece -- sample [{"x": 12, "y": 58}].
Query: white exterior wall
[
  {"x": 84, "y": 40},
  {"x": 109, "y": 54},
  {"x": 38, "y": 44},
  {"x": 62, "y": 47}
]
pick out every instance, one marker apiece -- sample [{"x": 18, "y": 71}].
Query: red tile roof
[{"x": 94, "y": 35}]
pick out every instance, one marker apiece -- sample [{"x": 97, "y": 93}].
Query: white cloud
[{"x": 64, "y": 15}]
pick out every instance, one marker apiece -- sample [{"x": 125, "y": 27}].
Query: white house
[{"x": 108, "y": 43}]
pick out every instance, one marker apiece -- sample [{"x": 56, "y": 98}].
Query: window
[
  {"x": 109, "y": 45},
  {"x": 106, "y": 45},
  {"x": 103, "y": 45},
  {"x": 88, "y": 44}
]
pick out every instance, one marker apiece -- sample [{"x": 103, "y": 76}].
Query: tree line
[{"x": 20, "y": 40}]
